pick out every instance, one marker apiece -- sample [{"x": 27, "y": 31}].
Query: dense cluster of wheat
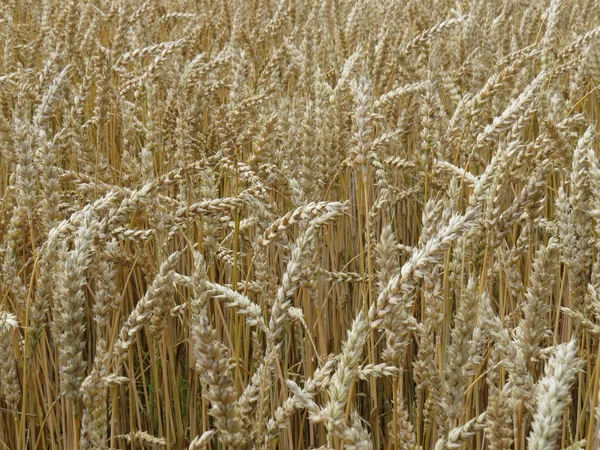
[{"x": 364, "y": 224}]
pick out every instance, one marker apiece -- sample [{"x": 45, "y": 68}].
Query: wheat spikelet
[
  {"x": 10, "y": 390},
  {"x": 553, "y": 396}
]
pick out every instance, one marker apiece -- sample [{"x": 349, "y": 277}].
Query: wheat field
[{"x": 294, "y": 224}]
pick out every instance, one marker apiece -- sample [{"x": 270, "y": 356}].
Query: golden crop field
[{"x": 299, "y": 224}]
